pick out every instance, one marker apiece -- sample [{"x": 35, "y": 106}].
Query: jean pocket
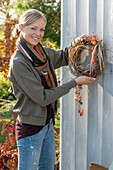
[{"x": 21, "y": 143}]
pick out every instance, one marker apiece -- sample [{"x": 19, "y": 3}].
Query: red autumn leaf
[
  {"x": 94, "y": 55},
  {"x": 94, "y": 36},
  {"x": 93, "y": 48},
  {"x": 78, "y": 110},
  {"x": 9, "y": 147},
  {"x": 3, "y": 132},
  {"x": 6, "y": 139},
  {"x": 0, "y": 116},
  {"x": 12, "y": 140},
  {"x": 94, "y": 61},
  {"x": 8, "y": 128},
  {"x": 94, "y": 42},
  {"x": 81, "y": 114}
]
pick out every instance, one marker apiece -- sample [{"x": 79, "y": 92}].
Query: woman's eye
[
  {"x": 33, "y": 28},
  {"x": 42, "y": 30}
]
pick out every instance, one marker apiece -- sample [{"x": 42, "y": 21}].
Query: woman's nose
[{"x": 38, "y": 32}]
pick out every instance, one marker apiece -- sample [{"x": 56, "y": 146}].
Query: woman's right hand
[{"x": 85, "y": 80}]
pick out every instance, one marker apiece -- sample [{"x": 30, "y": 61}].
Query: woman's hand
[
  {"x": 80, "y": 38},
  {"x": 84, "y": 80}
]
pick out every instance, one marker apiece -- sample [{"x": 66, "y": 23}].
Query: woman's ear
[{"x": 20, "y": 27}]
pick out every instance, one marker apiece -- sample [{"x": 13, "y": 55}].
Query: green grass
[
  {"x": 7, "y": 119},
  {"x": 2, "y": 138},
  {"x": 6, "y": 115},
  {"x": 5, "y": 109}
]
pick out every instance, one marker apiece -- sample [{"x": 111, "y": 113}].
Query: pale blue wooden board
[{"x": 90, "y": 138}]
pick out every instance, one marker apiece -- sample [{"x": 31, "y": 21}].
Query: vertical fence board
[{"x": 89, "y": 138}]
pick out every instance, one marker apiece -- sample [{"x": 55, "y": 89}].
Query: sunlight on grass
[{"x": 7, "y": 120}]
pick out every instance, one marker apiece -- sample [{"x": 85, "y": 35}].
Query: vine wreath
[
  {"x": 94, "y": 46},
  {"x": 87, "y": 49}
]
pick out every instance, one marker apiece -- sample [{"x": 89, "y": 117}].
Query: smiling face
[{"x": 33, "y": 33}]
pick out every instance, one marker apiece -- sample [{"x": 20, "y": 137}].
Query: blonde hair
[{"x": 27, "y": 18}]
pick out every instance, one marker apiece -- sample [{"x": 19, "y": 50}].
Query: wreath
[
  {"x": 86, "y": 57},
  {"x": 89, "y": 49}
]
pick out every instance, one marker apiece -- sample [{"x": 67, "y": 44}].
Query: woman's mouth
[{"x": 35, "y": 38}]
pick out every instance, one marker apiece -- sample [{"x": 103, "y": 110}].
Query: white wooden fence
[{"x": 88, "y": 138}]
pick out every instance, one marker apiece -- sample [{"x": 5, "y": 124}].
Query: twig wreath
[{"x": 86, "y": 57}]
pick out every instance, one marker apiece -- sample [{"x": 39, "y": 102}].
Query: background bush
[{"x": 6, "y": 91}]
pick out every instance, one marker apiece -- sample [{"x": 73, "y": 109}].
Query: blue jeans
[{"x": 37, "y": 151}]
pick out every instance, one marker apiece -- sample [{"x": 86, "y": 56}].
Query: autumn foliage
[
  {"x": 7, "y": 46},
  {"x": 8, "y": 150}
]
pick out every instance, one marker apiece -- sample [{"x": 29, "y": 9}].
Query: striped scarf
[{"x": 39, "y": 59}]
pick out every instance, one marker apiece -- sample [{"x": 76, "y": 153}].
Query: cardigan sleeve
[
  {"x": 30, "y": 84},
  {"x": 59, "y": 58}
]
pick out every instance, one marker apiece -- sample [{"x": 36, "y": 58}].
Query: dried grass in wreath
[{"x": 88, "y": 48}]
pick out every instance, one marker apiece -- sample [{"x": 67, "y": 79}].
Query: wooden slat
[{"x": 89, "y": 138}]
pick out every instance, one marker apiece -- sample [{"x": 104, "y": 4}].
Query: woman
[{"x": 35, "y": 87}]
